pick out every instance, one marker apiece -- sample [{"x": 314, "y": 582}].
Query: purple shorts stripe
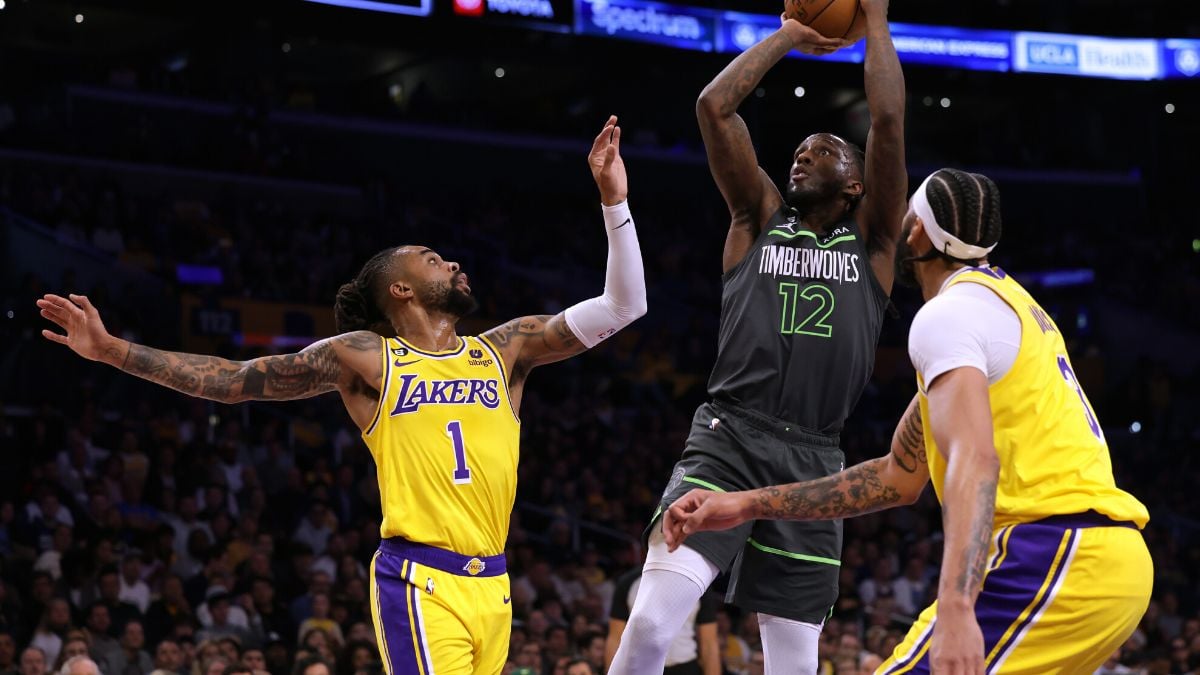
[
  {"x": 1036, "y": 612},
  {"x": 392, "y": 612},
  {"x": 1025, "y": 565},
  {"x": 446, "y": 561}
]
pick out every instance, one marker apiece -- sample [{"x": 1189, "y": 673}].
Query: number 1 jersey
[
  {"x": 445, "y": 440},
  {"x": 800, "y": 320}
]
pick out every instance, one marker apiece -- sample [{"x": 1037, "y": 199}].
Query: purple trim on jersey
[
  {"x": 922, "y": 662},
  {"x": 446, "y": 561},
  {"x": 391, "y": 613}
]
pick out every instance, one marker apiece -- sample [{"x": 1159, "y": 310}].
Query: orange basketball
[{"x": 831, "y": 18}]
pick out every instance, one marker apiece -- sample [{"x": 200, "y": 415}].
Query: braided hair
[
  {"x": 967, "y": 206},
  {"x": 357, "y": 306}
]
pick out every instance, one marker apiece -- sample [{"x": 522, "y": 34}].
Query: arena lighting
[
  {"x": 1, "y": 4},
  {"x": 945, "y": 102},
  {"x": 799, "y": 92},
  {"x": 78, "y": 18},
  {"x": 1136, "y": 427},
  {"x": 499, "y": 72},
  {"x": 1170, "y": 108},
  {"x": 287, "y": 47},
  {"x": 760, "y": 92},
  {"x": 410, "y": 7},
  {"x": 928, "y": 101}
]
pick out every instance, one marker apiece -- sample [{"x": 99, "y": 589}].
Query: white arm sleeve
[
  {"x": 624, "y": 298},
  {"x": 966, "y": 325}
]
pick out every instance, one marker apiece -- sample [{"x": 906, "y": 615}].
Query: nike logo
[
  {"x": 507, "y": 599},
  {"x": 406, "y": 363},
  {"x": 627, "y": 221}
]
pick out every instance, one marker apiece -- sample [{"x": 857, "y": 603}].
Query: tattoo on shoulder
[
  {"x": 910, "y": 437},
  {"x": 360, "y": 340}
]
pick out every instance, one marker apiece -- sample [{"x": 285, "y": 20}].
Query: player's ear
[
  {"x": 400, "y": 290},
  {"x": 918, "y": 240},
  {"x": 854, "y": 189}
]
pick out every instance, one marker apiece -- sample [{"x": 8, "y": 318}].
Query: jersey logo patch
[
  {"x": 475, "y": 567},
  {"x": 400, "y": 351}
]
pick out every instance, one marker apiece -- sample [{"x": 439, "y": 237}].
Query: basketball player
[
  {"x": 807, "y": 275},
  {"x": 1045, "y": 570},
  {"x": 437, "y": 410}
]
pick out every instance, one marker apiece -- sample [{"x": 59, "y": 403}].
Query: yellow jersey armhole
[
  {"x": 503, "y": 373},
  {"x": 383, "y": 388}
]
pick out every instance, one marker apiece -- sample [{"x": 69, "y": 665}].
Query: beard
[
  {"x": 450, "y": 299},
  {"x": 806, "y": 196},
  {"x": 906, "y": 265}
]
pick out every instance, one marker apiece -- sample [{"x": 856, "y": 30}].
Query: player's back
[
  {"x": 445, "y": 440},
  {"x": 1053, "y": 456}
]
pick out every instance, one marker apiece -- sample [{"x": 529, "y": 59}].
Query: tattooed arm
[
  {"x": 338, "y": 363},
  {"x": 748, "y": 191},
  {"x": 893, "y": 480},
  {"x": 960, "y": 418}
]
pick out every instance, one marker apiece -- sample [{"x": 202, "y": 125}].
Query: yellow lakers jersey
[
  {"x": 445, "y": 441},
  {"x": 1053, "y": 456}
]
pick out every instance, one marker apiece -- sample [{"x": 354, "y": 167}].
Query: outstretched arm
[
  {"x": 882, "y": 483},
  {"x": 328, "y": 365},
  {"x": 531, "y": 341},
  {"x": 960, "y": 418},
  {"x": 748, "y": 191},
  {"x": 886, "y": 177}
]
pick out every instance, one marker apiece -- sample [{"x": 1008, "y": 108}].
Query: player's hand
[
  {"x": 703, "y": 510},
  {"x": 607, "y": 166},
  {"x": 808, "y": 41},
  {"x": 957, "y": 647},
  {"x": 86, "y": 335}
]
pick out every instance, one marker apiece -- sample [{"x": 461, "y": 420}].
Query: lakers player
[
  {"x": 1045, "y": 569},
  {"x": 438, "y": 411}
]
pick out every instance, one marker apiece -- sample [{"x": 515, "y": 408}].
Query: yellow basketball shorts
[
  {"x": 1060, "y": 596},
  {"x": 438, "y": 612}
]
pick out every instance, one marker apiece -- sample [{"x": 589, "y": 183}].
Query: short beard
[
  {"x": 805, "y": 200},
  {"x": 449, "y": 299},
  {"x": 906, "y": 266}
]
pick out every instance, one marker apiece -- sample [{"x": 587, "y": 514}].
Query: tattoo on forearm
[
  {"x": 314, "y": 370},
  {"x": 909, "y": 446},
  {"x": 744, "y": 73},
  {"x": 852, "y": 492},
  {"x": 531, "y": 340},
  {"x": 970, "y": 579}
]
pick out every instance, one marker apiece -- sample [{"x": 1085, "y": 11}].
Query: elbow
[
  {"x": 708, "y": 107},
  {"x": 638, "y": 308}
]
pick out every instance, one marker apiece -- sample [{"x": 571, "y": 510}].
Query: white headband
[{"x": 942, "y": 240}]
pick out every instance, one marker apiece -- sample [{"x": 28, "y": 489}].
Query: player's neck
[
  {"x": 821, "y": 218},
  {"x": 933, "y": 278},
  {"x": 427, "y": 331}
]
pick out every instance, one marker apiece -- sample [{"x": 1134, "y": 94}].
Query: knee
[{"x": 647, "y": 630}]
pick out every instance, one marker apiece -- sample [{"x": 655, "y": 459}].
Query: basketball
[{"x": 831, "y": 18}]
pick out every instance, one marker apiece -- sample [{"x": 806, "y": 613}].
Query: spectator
[
  {"x": 109, "y": 586},
  {"x": 320, "y": 620},
  {"x": 105, "y": 649},
  {"x": 170, "y": 607},
  {"x": 312, "y": 665},
  {"x": 133, "y": 590},
  {"x": 269, "y": 614},
  {"x": 254, "y": 660},
  {"x": 910, "y": 589},
  {"x": 33, "y": 662},
  {"x": 219, "y": 606},
  {"x": 169, "y": 657},
  {"x": 580, "y": 667},
  {"x": 591, "y": 648},
  {"x": 80, "y": 665},
  {"x": 757, "y": 663},
  {"x": 133, "y": 642},
  {"x": 75, "y": 645},
  {"x": 316, "y": 528},
  {"x": 50, "y": 631},
  {"x": 8, "y": 654}
]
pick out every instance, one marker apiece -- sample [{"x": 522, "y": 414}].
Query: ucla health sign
[{"x": 1088, "y": 56}]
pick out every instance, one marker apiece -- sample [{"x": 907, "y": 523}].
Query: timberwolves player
[
  {"x": 807, "y": 275},
  {"x": 1044, "y": 569},
  {"x": 437, "y": 410}
]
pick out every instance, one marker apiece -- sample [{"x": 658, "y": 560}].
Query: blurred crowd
[{"x": 160, "y": 534}]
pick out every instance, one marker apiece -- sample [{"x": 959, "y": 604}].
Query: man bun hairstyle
[{"x": 357, "y": 305}]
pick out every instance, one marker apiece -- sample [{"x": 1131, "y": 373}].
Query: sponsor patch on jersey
[
  {"x": 476, "y": 358},
  {"x": 400, "y": 351}
]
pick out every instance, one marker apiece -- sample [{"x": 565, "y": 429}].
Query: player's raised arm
[
  {"x": 886, "y": 177},
  {"x": 531, "y": 341},
  {"x": 748, "y": 191},
  {"x": 329, "y": 365},
  {"x": 879, "y": 484}
]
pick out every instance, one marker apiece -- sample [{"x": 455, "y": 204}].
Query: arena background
[{"x": 209, "y": 173}]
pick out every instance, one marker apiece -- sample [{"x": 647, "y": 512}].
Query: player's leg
[
  {"x": 1054, "y": 600},
  {"x": 493, "y": 623},
  {"x": 417, "y": 631},
  {"x": 672, "y": 583},
  {"x": 789, "y": 570}
]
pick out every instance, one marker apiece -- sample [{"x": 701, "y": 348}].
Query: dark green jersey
[{"x": 800, "y": 320}]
